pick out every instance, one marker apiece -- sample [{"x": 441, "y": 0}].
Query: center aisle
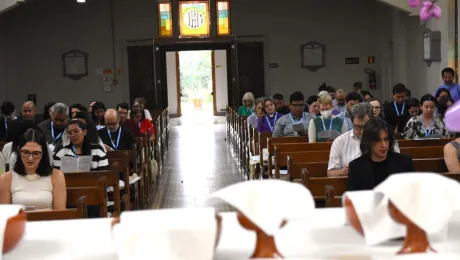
[{"x": 198, "y": 163}]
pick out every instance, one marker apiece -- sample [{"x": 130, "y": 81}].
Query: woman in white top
[
  {"x": 33, "y": 182},
  {"x": 14, "y": 134}
]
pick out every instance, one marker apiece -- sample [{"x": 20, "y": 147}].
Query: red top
[{"x": 146, "y": 124}]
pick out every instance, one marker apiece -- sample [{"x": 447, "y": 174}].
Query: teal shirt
[
  {"x": 244, "y": 111},
  {"x": 337, "y": 123}
]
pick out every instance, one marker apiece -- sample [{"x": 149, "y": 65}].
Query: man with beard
[
  {"x": 29, "y": 113},
  {"x": 114, "y": 136},
  {"x": 340, "y": 104}
]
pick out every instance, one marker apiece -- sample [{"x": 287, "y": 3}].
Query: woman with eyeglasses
[
  {"x": 427, "y": 124},
  {"x": 33, "y": 182},
  {"x": 268, "y": 121},
  {"x": 254, "y": 119},
  {"x": 376, "y": 107},
  {"x": 138, "y": 115},
  {"x": 80, "y": 145}
]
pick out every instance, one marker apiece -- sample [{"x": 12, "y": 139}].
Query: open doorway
[{"x": 196, "y": 83}]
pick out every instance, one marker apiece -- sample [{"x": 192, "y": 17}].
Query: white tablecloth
[{"x": 324, "y": 236}]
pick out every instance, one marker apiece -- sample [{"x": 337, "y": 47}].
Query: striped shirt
[{"x": 99, "y": 162}]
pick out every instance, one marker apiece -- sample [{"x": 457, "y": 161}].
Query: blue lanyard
[
  {"x": 249, "y": 111},
  {"x": 118, "y": 138},
  {"x": 74, "y": 151},
  {"x": 324, "y": 125},
  {"x": 292, "y": 119},
  {"x": 402, "y": 109},
  {"x": 429, "y": 131},
  {"x": 52, "y": 132},
  {"x": 274, "y": 121},
  {"x": 6, "y": 125}
]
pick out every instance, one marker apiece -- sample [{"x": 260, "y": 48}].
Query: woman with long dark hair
[
  {"x": 97, "y": 113},
  {"x": 33, "y": 182},
  {"x": 80, "y": 145},
  {"x": 427, "y": 124},
  {"x": 378, "y": 159}
]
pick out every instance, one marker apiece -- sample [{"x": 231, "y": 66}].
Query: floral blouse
[{"x": 415, "y": 129}]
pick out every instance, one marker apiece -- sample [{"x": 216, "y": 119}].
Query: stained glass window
[
  {"x": 223, "y": 18},
  {"x": 194, "y": 18},
  {"x": 164, "y": 13}
]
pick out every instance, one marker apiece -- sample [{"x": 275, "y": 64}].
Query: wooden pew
[
  {"x": 319, "y": 169},
  {"x": 316, "y": 185},
  {"x": 272, "y": 141},
  {"x": 304, "y": 146},
  {"x": 95, "y": 195},
  {"x": 336, "y": 201},
  {"x": 332, "y": 201},
  {"x": 263, "y": 137},
  {"x": 122, "y": 158},
  {"x": 88, "y": 179},
  {"x": 79, "y": 212},
  {"x": 323, "y": 156}
]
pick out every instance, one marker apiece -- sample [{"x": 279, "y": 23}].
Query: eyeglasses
[
  {"x": 297, "y": 106},
  {"x": 35, "y": 154},
  {"x": 376, "y": 108},
  {"x": 74, "y": 132}
]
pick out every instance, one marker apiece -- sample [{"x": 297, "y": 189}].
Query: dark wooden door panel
[
  {"x": 141, "y": 74},
  {"x": 251, "y": 77}
]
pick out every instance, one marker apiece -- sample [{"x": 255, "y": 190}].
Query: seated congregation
[
  {"x": 337, "y": 141},
  {"x": 77, "y": 161}
]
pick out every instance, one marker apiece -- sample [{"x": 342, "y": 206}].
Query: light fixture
[{"x": 81, "y": 1}]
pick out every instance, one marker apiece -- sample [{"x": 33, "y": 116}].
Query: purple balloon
[
  {"x": 415, "y": 3},
  {"x": 452, "y": 118},
  {"x": 429, "y": 10}
]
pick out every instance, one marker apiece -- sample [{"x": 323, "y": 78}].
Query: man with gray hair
[
  {"x": 345, "y": 148},
  {"x": 54, "y": 128}
]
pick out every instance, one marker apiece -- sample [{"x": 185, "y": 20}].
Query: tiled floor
[{"x": 198, "y": 163}]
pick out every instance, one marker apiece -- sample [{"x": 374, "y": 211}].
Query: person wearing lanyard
[
  {"x": 80, "y": 145},
  {"x": 268, "y": 121},
  {"x": 54, "y": 128},
  {"x": 352, "y": 99},
  {"x": 285, "y": 125},
  {"x": 114, "y": 136},
  {"x": 427, "y": 124},
  {"x": 325, "y": 122},
  {"x": 396, "y": 112}
]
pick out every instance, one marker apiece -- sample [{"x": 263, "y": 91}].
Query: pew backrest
[
  {"x": 77, "y": 213},
  {"x": 95, "y": 195}
]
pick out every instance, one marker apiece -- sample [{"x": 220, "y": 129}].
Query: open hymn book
[{"x": 76, "y": 164}]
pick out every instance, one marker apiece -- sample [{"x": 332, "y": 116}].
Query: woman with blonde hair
[
  {"x": 325, "y": 122},
  {"x": 247, "y": 108}
]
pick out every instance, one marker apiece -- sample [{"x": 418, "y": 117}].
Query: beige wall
[{"x": 33, "y": 37}]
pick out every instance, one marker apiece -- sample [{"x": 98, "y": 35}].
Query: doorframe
[
  {"x": 223, "y": 43},
  {"x": 178, "y": 92},
  {"x": 213, "y": 78}
]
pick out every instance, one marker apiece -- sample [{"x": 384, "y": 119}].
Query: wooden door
[
  {"x": 250, "y": 70},
  {"x": 142, "y": 74}
]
